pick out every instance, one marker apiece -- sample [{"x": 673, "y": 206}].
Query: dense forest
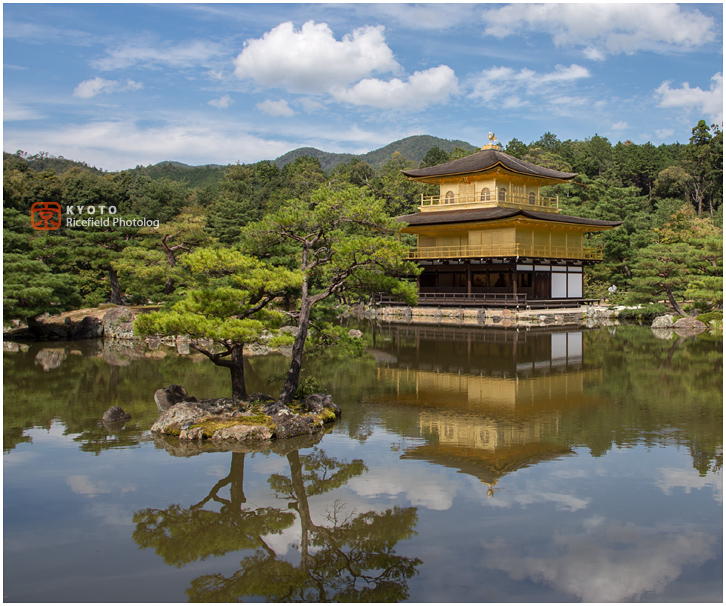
[{"x": 131, "y": 230}]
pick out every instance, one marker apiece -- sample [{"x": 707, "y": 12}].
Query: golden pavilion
[{"x": 490, "y": 238}]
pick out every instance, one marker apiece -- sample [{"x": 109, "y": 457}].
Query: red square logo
[{"x": 45, "y": 215}]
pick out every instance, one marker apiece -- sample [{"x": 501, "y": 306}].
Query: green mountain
[{"x": 412, "y": 148}]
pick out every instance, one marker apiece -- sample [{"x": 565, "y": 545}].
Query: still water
[{"x": 470, "y": 465}]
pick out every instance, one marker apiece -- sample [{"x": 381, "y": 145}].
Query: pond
[{"x": 470, "y": 465}]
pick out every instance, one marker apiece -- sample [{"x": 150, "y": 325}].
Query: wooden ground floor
[{"x": 520, "y": 283}]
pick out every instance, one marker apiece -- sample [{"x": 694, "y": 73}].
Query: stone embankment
[
  {"x": 590, "y": 315},
  {"x": 117, "y": 324},
  {"x": 258, "y": 418}
]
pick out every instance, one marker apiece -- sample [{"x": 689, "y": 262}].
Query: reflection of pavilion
[{"x": 490, "y": 400}]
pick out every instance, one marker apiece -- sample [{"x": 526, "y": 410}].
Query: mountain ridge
[{"x": 412, "y": 148}]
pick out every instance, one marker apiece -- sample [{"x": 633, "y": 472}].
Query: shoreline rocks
[{"x": 260, "y": 418}]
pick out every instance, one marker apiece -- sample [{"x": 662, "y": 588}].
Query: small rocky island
[{"x": 260, "y": 417}]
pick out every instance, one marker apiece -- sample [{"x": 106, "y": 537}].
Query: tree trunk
[
  {"x": 293, "y": 375},
  {"x": 171, "y": 260},
  {"x": 235, "y": 363},
  {"x": 673, "y": 302},
  {"x": 115, "y": 287},
  {"x": 237, "y": 473},
  {"x": 237, "y": 370},
  {"x": 303, "y": 508}
]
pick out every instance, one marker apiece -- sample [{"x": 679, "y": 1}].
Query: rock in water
[
  {"x": 169, "y": 396},
  {"x": 88, "y": 328},
  {"x": 115, "y": 414},
  {"x": 688, "y": 327},
  {"x": 663, "y": 322},
  {"x": 118, "y": 323}
]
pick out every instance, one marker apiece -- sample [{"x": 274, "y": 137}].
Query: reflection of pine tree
[
  {"x": 351, "y": 558},
  {"x": 347, "y": 558},
  {"x": 181, "y": 536}
]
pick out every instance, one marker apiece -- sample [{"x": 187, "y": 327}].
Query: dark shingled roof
[
  {"x": 443, "y": 217},
  {"x": 486, "y": 159}
]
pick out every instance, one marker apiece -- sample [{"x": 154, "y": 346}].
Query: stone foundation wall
[{"x": 584, "y": 316}]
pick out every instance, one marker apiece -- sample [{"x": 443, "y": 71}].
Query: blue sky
[{"x": 117, "y": 85}]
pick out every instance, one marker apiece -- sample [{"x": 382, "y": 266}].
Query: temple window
[
  {"x": 485, "y": 194},
  {"x": 449, "y": 197},
  {"x": 502, "y": 194},
  {"x": 531, "y": 197}
]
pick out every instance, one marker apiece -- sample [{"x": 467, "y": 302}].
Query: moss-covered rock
[{"x": 221, "y": 419}]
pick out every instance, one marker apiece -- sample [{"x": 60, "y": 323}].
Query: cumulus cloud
[
  {"x": 222, "y": 103},
  {"x": 423, "y": 88},
  {"x": 276, "y": 108},
  {"x": 606, "y": 29},
  {"x": 508, "y": 85},
  {"x": 311, "y": 59},
  {"x": 622, "y": 125},
  {"x": 96, "y": 86},
  {"x": 708, "y": 102}
]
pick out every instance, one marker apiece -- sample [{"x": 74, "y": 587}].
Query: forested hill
[{"x": 411, "y": 148}]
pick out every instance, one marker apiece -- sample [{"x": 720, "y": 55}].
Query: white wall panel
[
  {"x": 559, "y": 286},
  {"x": 575, "y": 285}
]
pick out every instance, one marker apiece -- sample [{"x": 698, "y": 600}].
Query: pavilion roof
[
  {"x": 483, "y": 160},
  {"x": 492, "y": 213}
]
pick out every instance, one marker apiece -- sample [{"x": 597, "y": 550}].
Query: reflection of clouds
[
  {"x": 267, "y": 464},
  {"x": 430, "y": 488},
  {"x": 689, "y": 479},
  {"x": 217, "y": 471},
  {"x": 110, "y": 514},
  {"x": 608, "y": 563},
  {"x": 283, "y": 542},
  {"x": 563, "y": 502},
  {"x": 536, "y": 493},
  {"x": 85, "y": 486}
]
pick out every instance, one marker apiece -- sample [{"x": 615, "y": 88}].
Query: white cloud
[
  {"x": 428, "y": 16},
  {"x": 188, "y": 54},
  {"x": 504, "y": 83},
  {"x": 606, "y": 28},
  {"x": 709, "y": 102},
  {"x": 664, "y": 133},
  {"x": 310, "y": 105},
  {"x": 15, "y": 111},
  {"x": 424, "y": 88},
  {"x": 622, "y": 125},
  {"x": 311, "y": 59},
  {"x": 96, "y": 86},
  {"x": 276, "y": 108},
  {"x": 222, "y": 103},
  {"x": 121, "y": 144}
]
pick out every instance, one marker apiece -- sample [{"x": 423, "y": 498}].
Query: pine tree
[{"x": 231, "y": 305}]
